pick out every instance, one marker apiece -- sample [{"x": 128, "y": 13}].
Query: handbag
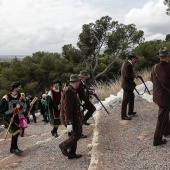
[{"x": 24, "y": 123}]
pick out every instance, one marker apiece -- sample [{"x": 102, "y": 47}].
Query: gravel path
[
  {"x": 41, "y": 151},
  {"x": 127, "y": 145},
  {"x": 116, "y": 144}
]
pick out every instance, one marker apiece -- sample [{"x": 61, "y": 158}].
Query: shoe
[
  {"x": 52, "y": 133},
  {"x": 64, "y": 151},
  {"x": 159, "y": 142},
  {"x": 20, "y": 150},
  {"x": 86, "y": 123},
  {"x": 55, "y": 135},
  {"x": 22, "y": 135},
  {"x": 167, "y": 134},
  {"x": 131, "y": 113},
  {"x": 126, "y": 118},
  {"x": 11, "y": 150},
  {"x": 17, "y": 151},
  {"x": 83, "y": 136},
  {"x": 76, "y": 156}
]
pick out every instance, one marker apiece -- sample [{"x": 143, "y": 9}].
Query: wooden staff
[
  {"x": 15, "y": 112},
  {"x": 33, "y": 102}
]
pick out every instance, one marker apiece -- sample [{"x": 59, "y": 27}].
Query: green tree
[
  {"x": 167, "y": 37},
  {"x": 73, "y": 59},
  {"x": 167, "y": 3},
  {"x": 106, "y": 37}
]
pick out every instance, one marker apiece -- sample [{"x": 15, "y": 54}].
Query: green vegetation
[{"x": 101, "y": 48}]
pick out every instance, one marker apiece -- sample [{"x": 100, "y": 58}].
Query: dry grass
[{"x": 104, "y": 90}]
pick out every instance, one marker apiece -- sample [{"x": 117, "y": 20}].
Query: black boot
[
  {"x": 159, "y": 141},
  {"x": 54, "y": 132}
]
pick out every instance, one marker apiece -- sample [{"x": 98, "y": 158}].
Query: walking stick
[
  {"x": 144, "y": 84},
  {"x": 100, "y": 102},
  {"x": 15, "y": 112}
]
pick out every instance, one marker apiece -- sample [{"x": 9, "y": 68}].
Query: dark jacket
[
  {"x": 70, "y": 108},
  {"x": 127, "y": 76},
  {"x": 160, "y": 76},
  {"x": 83, "y": 92}
]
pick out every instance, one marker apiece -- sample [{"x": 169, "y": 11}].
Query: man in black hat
[
  {"x": 127, "y": 83},
  {"x": 161, "y": 95},
  {"x": 11, "y": 109},
  {"x": 83, "y": 92},
  {"x": 54, "y": 104},
  {"x": 70, "y": 117}
]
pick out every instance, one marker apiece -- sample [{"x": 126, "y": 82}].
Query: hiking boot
[
  {"x": 63, "y": 150},
  {"x": 83, "y": 136},
  {"x": 131, "y": 113},
  {"x": 76, "y": 156},
  {"x": 126, "y": 118},
  {"x": 159, "y": 142},
  {"x": 17, "y": 151}
]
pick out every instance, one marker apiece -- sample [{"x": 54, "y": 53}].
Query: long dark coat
[
  {"x": 53, "y": 101},
  {"x": 70, "y": 108},
  {"x": 127, "y": 76},
  {"x": 160, "y": 76}
]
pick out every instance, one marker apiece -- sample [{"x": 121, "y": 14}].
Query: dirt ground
[
  {"x": 116, "y": 144},
  {"x": 128, "y": 144},
  {"x": 41, "y": 151}
]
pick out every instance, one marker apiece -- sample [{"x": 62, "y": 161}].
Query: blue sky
[{"x": 28, "y": 26}]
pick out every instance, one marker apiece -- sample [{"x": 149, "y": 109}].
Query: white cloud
[
  {"x": 151, "y": 18},
  {"x": 42, "y": 25},
  {"x": 28, "y": 26}
]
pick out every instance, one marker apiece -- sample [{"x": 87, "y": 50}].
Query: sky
[{"x": 28, "y": 26}]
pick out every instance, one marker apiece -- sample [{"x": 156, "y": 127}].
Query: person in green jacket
[{"x": 53, "y": 103}]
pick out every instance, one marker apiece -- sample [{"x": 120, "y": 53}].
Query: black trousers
[
  {"x": 162, "y": 126},
  {"x": 26, "y": 115},
  {"x": 128, "y": 99},
  {"x": 33, "y": 115},
  {"x": 14, "y": 142},
  {"x": 91, "y": 109},
  {"x": 71, "y": 142}
]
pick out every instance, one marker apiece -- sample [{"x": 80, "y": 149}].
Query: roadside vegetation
[
  {"x": 104, "y": 90},
  {"x": 101, "y": 49}
]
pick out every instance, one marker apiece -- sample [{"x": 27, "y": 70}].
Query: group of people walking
[
  {"x": 67, "y": 105},
  {"x": 62, "y": 105}
]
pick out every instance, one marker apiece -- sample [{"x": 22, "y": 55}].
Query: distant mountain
[{"x": 10, "y": 57}]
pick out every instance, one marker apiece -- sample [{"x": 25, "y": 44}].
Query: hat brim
[
  {"x": 163, "y": 55},
  {"x": 88, "y": 76},
  {"x": 74, "y": 80}
]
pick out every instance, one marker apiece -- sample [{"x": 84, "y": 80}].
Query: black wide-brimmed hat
[
  {"x": 84, "y": 74},
  {"x": 132, "y": 55},
  {"x": 163, "y": 52},
  {"x": 15, "y": 85},
  {"x": 56, "y": 81},
  {"x": 74, "y": 78}
]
